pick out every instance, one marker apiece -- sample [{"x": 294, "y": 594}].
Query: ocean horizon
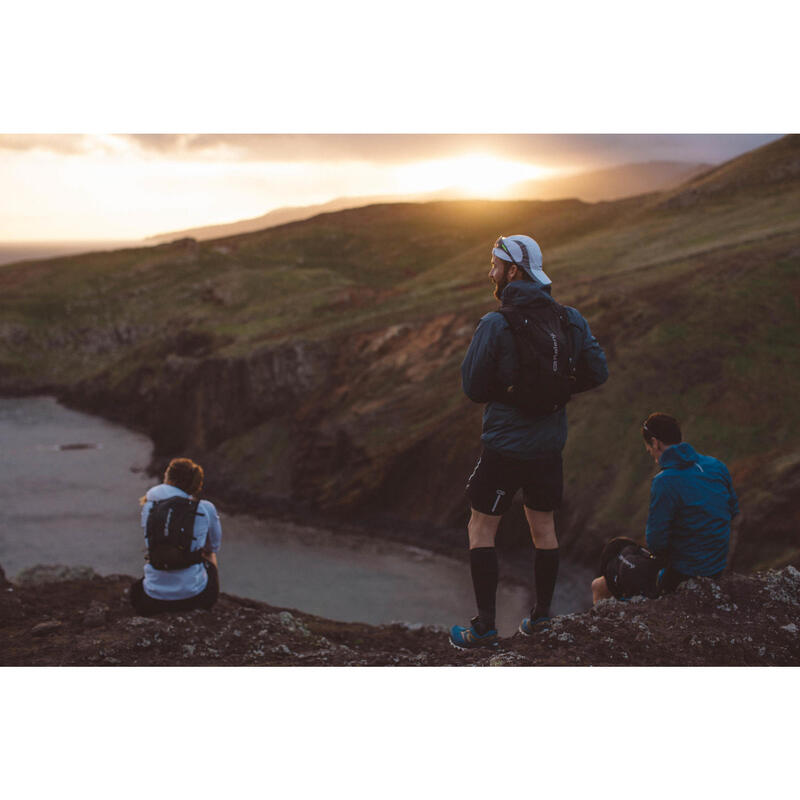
[{"x": 11, "y": 252}]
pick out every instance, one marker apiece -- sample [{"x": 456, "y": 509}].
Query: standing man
[
  {"x": 524, "y": 362},
  {"x": 692, "y": 505}
]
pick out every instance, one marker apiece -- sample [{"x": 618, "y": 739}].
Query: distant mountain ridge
[
  {"x": 605, "y": 184},
  {"x": 614, "y": 183},
  {"x": 282, "y": 216}
]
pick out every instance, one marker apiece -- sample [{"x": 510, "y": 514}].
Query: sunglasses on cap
[{"x": 502, "y": 245}]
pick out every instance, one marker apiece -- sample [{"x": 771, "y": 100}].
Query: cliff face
[
  {"x": 333, "y": 425},
  {"x": 58, "y": 616}
]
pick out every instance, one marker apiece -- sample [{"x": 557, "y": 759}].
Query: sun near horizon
[
  {"x": 477, "y": 174},
  {"x": 116, "y": 193}
]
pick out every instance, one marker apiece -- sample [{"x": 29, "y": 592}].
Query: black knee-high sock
[
  {"x": 483, "y": 566},
  {"x": 545, "y": 572}
]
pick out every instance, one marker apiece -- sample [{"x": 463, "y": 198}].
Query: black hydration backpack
[
  {"x": 546, "y": 374},
  {"x": 629, "y": 569},
  {"x": 169, "y": 533}
]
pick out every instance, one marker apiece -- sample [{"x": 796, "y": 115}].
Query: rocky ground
[{"x": 54, "y": 616}]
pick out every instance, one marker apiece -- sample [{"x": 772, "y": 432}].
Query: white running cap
[{"x": 524, "y": 252}]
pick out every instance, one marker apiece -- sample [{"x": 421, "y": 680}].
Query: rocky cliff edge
[{"x": 55, "y": 615}]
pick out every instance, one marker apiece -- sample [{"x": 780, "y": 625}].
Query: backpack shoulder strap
[
  {"x": 569, "y": 327},
  {"x": 513, "y": 316}
]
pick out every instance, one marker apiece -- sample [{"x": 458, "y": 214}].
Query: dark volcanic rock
[
  {"x": 742, "y": 620},
  {"x": 43, "y": 628},
  {"x": 95, "y": 617},
  {"x": 50, "y": 573}
]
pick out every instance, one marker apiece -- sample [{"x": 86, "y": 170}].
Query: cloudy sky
[{"x": 122, "y": 187}]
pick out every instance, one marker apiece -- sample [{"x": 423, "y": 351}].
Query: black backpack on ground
[
  {"x": 629, "y": 569},
  {"x": 170, "y": 532},
  {"x": 546, "y": 375}
]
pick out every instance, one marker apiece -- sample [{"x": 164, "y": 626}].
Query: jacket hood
[
  {"x": 679, "y": 456},
  {"x": 525, "y": 293}
]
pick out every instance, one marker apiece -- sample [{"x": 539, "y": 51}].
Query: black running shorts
[{"x": 496, "y": 479}]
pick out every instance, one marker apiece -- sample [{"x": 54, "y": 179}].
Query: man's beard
[{"x": 498, "y": 287}]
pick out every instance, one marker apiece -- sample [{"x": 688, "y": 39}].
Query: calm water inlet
[{"x": 69, "y": 488}]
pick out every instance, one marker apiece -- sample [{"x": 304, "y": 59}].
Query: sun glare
[
  {"x": 104, "y": 187},
  {"x": 480, "y": 175}
]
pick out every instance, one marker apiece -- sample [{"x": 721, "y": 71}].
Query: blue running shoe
[
  {"x": 467, "y": 638},
  {"x": 530, "y": 626}
]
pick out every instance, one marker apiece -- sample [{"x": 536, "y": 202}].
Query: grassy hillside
[{"x": 316, "y": 364}]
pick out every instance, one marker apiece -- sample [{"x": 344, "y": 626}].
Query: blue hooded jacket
[
  {"x": 490, "y": 365},
  {"x": 692, "y": 503}
]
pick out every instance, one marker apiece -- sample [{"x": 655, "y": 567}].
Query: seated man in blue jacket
[
  {"x": 692, "y": 505},
  {"x": 521, "y": 449}
]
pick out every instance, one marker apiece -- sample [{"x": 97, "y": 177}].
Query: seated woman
[{"x": 183, "y": 535}]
